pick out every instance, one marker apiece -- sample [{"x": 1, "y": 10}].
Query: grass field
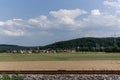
[
  {"x": 60, "y": 61},
  {"x": 59, "y": 56}
]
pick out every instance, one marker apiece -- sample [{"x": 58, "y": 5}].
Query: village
[{"x": 49, "y": 50}]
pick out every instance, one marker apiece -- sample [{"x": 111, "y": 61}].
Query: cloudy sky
[{"x": 40, "y": 22}]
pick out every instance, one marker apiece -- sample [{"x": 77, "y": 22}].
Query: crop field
[
  {"x": 59, "y": 56},
  {"x": 60, "y": 61}
]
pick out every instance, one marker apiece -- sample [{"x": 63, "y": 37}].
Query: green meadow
[{"x": 60, "y": 56}]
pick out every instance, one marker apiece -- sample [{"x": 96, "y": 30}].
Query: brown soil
[{"x": 62, "y": 65}]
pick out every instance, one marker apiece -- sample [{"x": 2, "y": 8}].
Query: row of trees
[
  {"x": 99, "y": 49},
  {"x": 84, "y": 49}
]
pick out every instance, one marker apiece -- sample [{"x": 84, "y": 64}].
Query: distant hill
[
  {"x": 11, "y": 47},
  {"x": 82, "y": 44},
  {"x": 87, "y": 44},
  {"x": 6, "y": 47}
]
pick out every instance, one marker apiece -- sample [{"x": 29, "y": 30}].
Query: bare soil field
[{"x": 61, "y": 65}]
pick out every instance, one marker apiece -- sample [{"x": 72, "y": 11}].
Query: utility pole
[
  {"x": 103, "y": 45},
  {"x": 115, "y": 39},
  {"x": 115, "y": 42}
]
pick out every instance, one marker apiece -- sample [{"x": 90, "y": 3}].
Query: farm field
[
  {"x": 61, "y": 61},
  {"x": 59, "y": 56},
  {"x": 62, "y": 65}
]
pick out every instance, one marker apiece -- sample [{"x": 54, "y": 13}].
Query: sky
[{"x": 42, "y": 22}]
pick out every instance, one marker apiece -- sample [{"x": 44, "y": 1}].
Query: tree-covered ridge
[
  {"x": 88, "y": 44},
  {"x": 80, "y": 44}
]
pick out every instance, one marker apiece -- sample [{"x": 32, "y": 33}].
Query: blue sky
[
  {"x": 41, "y": 22},
  {"x": 33, "y": 8}
]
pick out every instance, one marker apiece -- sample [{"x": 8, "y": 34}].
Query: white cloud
[
  {"x": 102, "y": 20},
  {"x": 1, "y": 23},
  {"x": 17, "y": 19},
  {"x": 13, "y": 33},
  {"x": 63, "y": 19},
  {"x": 65, "y": 16},
  {"x": 13, "y": 27},
  {"x": 115, "y": 3},
  {"x": 13, "y": 22},
  {"x": 95, "y": 12},
  {"x": 40, "y": 21},
  {"x": 69, "y": 13}
]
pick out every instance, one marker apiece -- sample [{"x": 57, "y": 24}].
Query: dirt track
[{"x": 62, "y": 65}]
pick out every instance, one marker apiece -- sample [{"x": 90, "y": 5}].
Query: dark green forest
[{"x": 109, "y": 44}]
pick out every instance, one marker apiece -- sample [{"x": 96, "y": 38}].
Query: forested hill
[
  {"x": 11, "y": 47},
  {"x": 82, "y": 44},
  {"x": 88, "y": 42}
]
